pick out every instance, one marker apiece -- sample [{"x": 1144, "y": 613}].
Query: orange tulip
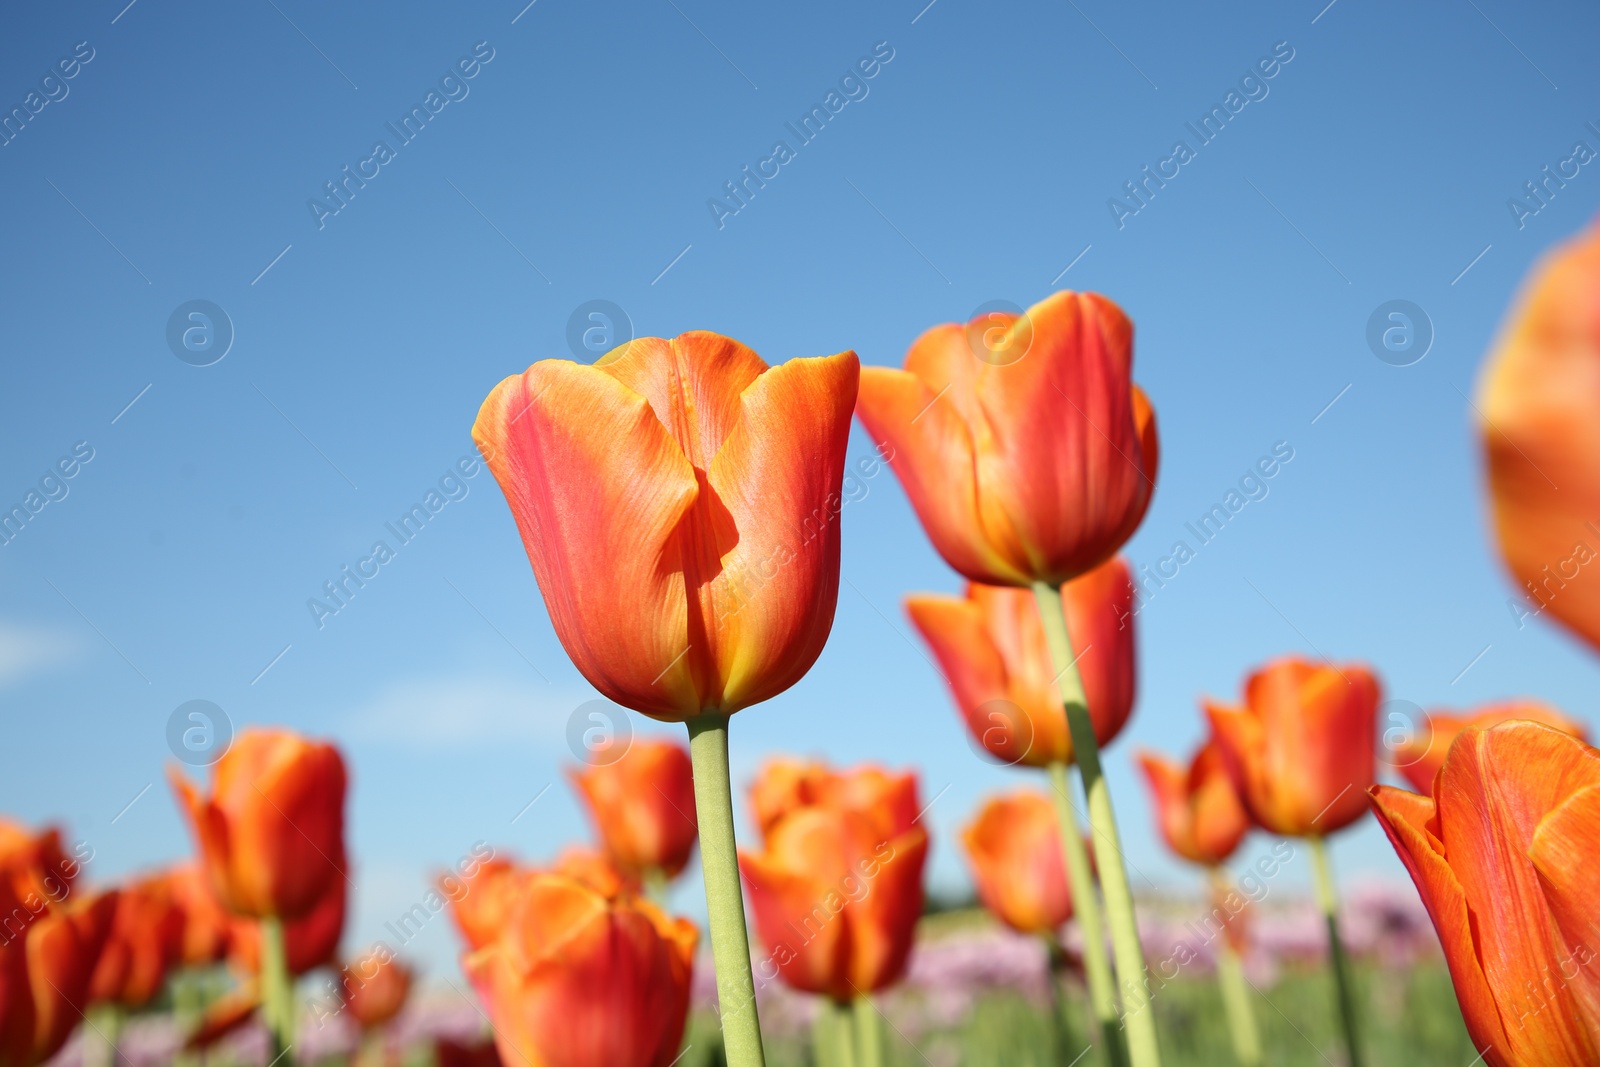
[
  {"x": 1419, "y": 756},
  {"x": 643, "y": 806},
  {"x": 1539, "y": 400},
  {"x": 46, "y": 961},
  {"x": 1014, "y": 845},
  {"x": 480, "y": 902},
  {"x": 38, "y": 866},
  {"x": 991, "y": 647},
  {"x": 374, "y": 989},
  {"x": 785, "y": 785},
  {"x": 1025, "y": 447},
  {"x": 838, "y": 889},
  {"x": 1197, "y": 809},
  {"x": 595, "y": 870},
  {"x": 309, "y": 941},
  {"x": 1302, "y": 749},
  {"x": 274, "y": 824},
  {"x": 1503, "y": 853},
  {"x": 205, "y": 923},
  {"x": 679, "y": 503},
  {"x": 144, "y": 942},
  {"x": 577, "y": 980}
]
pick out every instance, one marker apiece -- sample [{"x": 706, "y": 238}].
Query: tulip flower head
[
  {"x": 374, "y": 988},
  {"x": 679, "y": 503},
  {"x": 145, "y": 941},
  {"x": 39, "y": 868},
  {"x": 1014, "y": 847},
  {"x": 480, "y": 901},
  {"x": 643, "y": 806},
  {"x": 1302, "y": 749},
  {"x": 1419, "y": 755},
  {"x": 991, "y": 648},
  {"x": 1035, "y": 466},
  {"x": 309, "y": 941},
  {"x": 47, "y": 959},
  {"x": 1503, "y": 852},
  {"x": 1197, "y": 808},
  {"x": 206, "y": 924}
]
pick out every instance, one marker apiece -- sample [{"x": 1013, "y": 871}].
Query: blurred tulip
[
  {"x": 36, "y": 864},
  {"x": 679, "y": 502},
  {"x": 991, "y": 647},
  {"x": 642, "y": 806},
  {"x": 595, "y": 870},
  {"x": 226, "y": 1015},
  {"x": 785, "y": 785},
  {"x": 46, "y": 962},
  {"x": 1022, "y": 442},
  {"x": 1539, "y": 402},
  {"x": 1503, "y": 852},
  {"x": 1197, "y": 809},
  {"x": 837, "y": 890},
  {"x": 1419, "y": 756},
  {"x": 273, "y": 825},
  {"x": 1014, "y": 845},
  {"x": 450, "y": 1053},
  {"x": 1302, "y": 750},
  {"x": 310, "y": 941},
  {"x": 480, "y": 901},
  {"x": 205, "y": 924},
  {"x": 145, "y": 939},
  {"x": 576, "y": 980},
  {"x": 375, "y": 988}
]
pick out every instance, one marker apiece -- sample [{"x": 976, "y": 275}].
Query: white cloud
[{"x": 28, "y": 650}]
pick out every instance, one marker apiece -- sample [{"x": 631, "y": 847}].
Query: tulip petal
[
  {"x": 693, "y": 383},
  {"x": 801, "y": 933},
  {"x": 880, "y": 937},
  {"x": 1564, "y": 851}
]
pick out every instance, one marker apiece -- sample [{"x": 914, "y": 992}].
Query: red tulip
[
  {"x": 272, "y": 828},
  {"x": 309, "y": 941},
  {"x": 144, "y": 942},
  {"x": 205, "y": 924},
  {"x": 1503, "y": 852},
  {"x": 643, "y": 806},
  {"x": 1014, "y": 845},
  {"x": 678, "y": 501},
  {"x": 1302, "y": 748},
  {"x": 46, "y": 961},
  {"x": 1197, "y": 809},
  {"x": 576, "y": 980},
  {"x": 41, "y": 872},
  {"x": 991, "y": 647},
  {"x": 1420, "y": 755},
  {"x": 374, "y": 989},
  {"x": 1025, "y": 447}
]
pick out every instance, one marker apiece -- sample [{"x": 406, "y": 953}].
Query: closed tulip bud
[
  {"x": 991, "y": 647},
  {"x": 1014, "y": 846},
  {"x": 679, "y": 503},
  {"x": 576, "y": 980},
  {"x": 1302, "y": 749},
  {"x": 145, "y": 939},
  {"x": 205, "y": 924},
  {"x": 374, "y": 988},
  {"x": 309, "y": 941},
  {"x": 1539, "y": 410},
  {"x": 47, "y": 959},
  {"x": 837, "y": 890},
  {"x": 273, "y": 825},
  {"x": 1503, "y": 852},
  {"x": 1197, "y": 808},
  {"x": 1420, "y": 753},
  {"x": 642, "y": 805},
  {"x": 1022, "y": 442}
]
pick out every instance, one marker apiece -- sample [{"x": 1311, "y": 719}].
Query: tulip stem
[
  {"x": 1328, "y": 901},
  {"x": 719, "y": 860},
  {"x": 1242, "y": 1026},
  {"x": 869, "y": 1031},
  {"x": 1086, "y": 907},
  {"x": 1139, "y": 1023},
  {"x": 277, "y": 987},
  {"x": 834, "y": 1035},
  {"x": 101, "y": 1049}
]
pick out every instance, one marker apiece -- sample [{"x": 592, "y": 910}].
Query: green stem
[
  {"x": 656, "y": 885},
  {"x": 105, "y": 1024},
  {"x": 1138, "y": 1022},
  {"x": 869, "y": 1031},
  {"x": 719, "y": 859},
  {"x": 1328, "y": 901},
  {"x": 1086, "y": 908},
  {"x": 277, "y": 987},
  {"x": 834, "y": 1035},
  {"x": 1242, "y": 1026}
]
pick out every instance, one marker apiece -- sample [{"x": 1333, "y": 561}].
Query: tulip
[
  {"x": 1419, "y": 755},
  {"x": 308, "y": 942},
  {"x": 451, "y": 1053},
  {"x": 596, "y": 870},
  {"x": 206, "y": 925},
  {"x": 991, "y": 647},
  {"x": 145, "y": 939},
  {"x": 643, "y": 807},
  {"x": 785, "y": 785},
  {"x": 40, "y": 870},
  {"x": 47, "y": 959},
  {"x": 1539, "y": 406},
  {"x": 679, "y": 503},
  {"x": 1014, "y": 848},
  {"x": 1503, "y": 853},
  {"x": 480, "y": 901},
  {"x": 577, "y": 980},
  {"x": 374, "y": 988}
]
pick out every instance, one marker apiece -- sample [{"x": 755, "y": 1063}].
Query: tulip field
[{"x": 907, "y": 783}]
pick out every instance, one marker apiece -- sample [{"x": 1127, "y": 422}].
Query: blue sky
[{"x": 576, "y": 164}]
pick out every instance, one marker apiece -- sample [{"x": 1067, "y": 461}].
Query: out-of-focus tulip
[
  {"x": 309, "y": 941},
  {"x": 1014, "y": 845},
  {"x": 374, "y": 988},
  {"x": 1503, "y": 852},
  {"x": 991, "y": 647},
  {"x": 1197, "y": 808},
  {"x": 46, "y": 962},
  {"x": 643, "y": 806},
  {"x": 786, "y": 784},
  {"x": 272, "y": 831},
  {"x": 38, "y": 867},
  {"x": 205, "y": 924},
  {"x": 1539, "y": 400},
  {"x": 1022, "y": 442},
  {"x": 480, "y": 902},
  {"x": 1302, "y": 750},
  {"x": 227, "y": 1014},
  {"x": 837, "y": 890},
  {"x": 596, "y": 870},
  {"x": 577, "y": 980},
  {"x": 450, "y": 1053},
  {"x": 679, "y": 502},
  {"x": 1420, "y": 755},
  {"x": 146, "y": 936}
]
